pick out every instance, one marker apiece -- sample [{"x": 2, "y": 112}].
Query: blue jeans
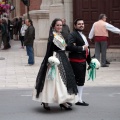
[{"x": 30, "y": 54}]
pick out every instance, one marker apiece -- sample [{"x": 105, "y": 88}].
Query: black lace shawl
[
  {"x": 70, "y": 79},
  {"x": 43, "y": 68}
]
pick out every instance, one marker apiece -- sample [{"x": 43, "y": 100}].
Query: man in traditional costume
[{"x": 78, "y": 55}]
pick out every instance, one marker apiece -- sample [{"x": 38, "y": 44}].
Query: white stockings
[{"x": 80, "y": 91}]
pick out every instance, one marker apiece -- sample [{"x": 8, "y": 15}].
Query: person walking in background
[
  {"x": 16, "y": 28},
  {"x": 5, "y": 17},
  {"x": 0, "y": 33},
  {"x": 59, "y": 87},
  {"x": 9, "y": 22},
  {"x": 29, "y": 41},
  {"x": 19, "y": 26},
  {"x": 5, "y": 35},
  {"x": 99, "y": 31},
  {"x": 22, "y": 33},
  {"x": 65, "y": 30},
  {"x": 10, "y": 28},
  {"x": 78, "y": 55}
]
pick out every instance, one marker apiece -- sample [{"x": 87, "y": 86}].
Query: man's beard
[{"x": 80, "y": 30}]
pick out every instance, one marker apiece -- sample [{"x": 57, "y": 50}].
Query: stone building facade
[{"x": 42, "y": 12}]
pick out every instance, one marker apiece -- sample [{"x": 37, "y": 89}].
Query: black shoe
[
  {"x": 45, "y": 107},
  {"x": 70, "y": 104},
  {"x": 104, "y": 66},
  {"x": 82, "y": 104},
  {"x": 65, "y": 107},
  {"x": 107, "y": 62},
  {"x": 31, "y": 64}
]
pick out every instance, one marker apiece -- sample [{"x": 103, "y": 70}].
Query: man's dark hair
[
  {"x": 78, "y": 19},
  {"x": 101, "y": 16},
  {"x": 30, "y": 21}
]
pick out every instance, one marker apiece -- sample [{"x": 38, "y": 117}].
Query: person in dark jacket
[
  {"x": 10, "y": 29},
  {"x": 16, "y": 29},
  {"x": 29, "y": 41},
  {"x": 65, "y": 30},
  {"x": 5, "y": 35},
  {"x": 79, "y": 54},
  {"x": 0, "y": 33}
]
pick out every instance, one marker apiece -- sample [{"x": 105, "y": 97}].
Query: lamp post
[
  {"x": 27, "y": 3},
  {"x": 28, "y": 15}
]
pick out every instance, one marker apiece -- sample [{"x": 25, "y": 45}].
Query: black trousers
[
  {"x": 22, "y": 40},
  {"x": 79, "y": 70}
]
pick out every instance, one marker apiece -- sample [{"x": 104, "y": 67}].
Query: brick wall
[
  {"x": 22, "y": 8},
  {"x": 34, "y": 5}
]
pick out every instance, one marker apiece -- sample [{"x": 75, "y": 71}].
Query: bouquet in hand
[
  {"x": 52, "y": 70},
  {"x": 94, "y": 64},
  {"x": 53, "y": 60}
]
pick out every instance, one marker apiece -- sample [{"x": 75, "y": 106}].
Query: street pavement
[
  {"x": 17, "y": 81},
  {"x": 15, "y": 73},
  {"x": 104, "y": 104}
]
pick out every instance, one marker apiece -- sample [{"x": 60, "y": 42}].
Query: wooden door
[
  {"x": 89, "y": 10},
  {"x": 114, "y": 19}
]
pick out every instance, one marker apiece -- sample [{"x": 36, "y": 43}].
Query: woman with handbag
[{"x": 55, "y": 82}]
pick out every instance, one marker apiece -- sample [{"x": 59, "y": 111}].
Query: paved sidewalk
[{"x": 15, "y": 74}]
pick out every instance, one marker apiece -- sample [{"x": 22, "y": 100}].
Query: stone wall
[{"x": 42, "y": 20}]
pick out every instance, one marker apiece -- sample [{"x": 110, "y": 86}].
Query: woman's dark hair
[
  {"x": 54, "y": 22},
  {"x": 53, "y": 25},
  {"x": 76, "y": 20}
]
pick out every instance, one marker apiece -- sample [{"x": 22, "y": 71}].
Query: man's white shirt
[
  {"x": 84, "y": 38},
  {"x": 108, "y": 26}
]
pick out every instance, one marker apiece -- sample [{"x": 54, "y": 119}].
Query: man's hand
[
  {"x": 85, "y": 47},
  {"x": 91, "y": 40}
]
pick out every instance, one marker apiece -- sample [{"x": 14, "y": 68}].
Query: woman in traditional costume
[{"x": 55, "y": 82}]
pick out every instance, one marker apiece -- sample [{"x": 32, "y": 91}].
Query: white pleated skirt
[{"x": 55, "y": 91}]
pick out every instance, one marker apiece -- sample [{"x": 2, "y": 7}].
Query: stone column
[
  {"x": 17, "y": 4},
  {"x": 45, "y": 4},
  {"x": 56, "y": 10},
  {"x": 57, "y": 1},
  {"x": 68, "y": 7},
  {"x": 40, "y": 20}
]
